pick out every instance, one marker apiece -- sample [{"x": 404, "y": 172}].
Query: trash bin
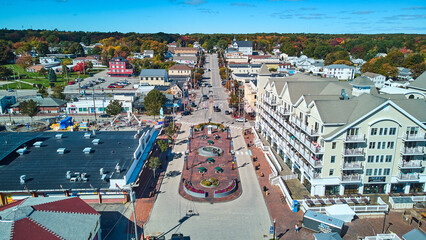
[{"x": 295, "y": 206}]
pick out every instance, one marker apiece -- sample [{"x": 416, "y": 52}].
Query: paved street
[{"x": 244, "y": 218}]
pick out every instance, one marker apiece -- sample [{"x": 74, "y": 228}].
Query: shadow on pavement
[{"x": 115, "y": 225}]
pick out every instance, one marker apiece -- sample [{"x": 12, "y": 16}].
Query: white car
[{"x": 241, "y": 120}]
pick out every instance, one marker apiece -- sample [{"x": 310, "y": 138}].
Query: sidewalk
[{"x": 278, "y": 209}]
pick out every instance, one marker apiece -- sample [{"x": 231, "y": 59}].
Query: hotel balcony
[
  {"x": 408, "y": 177},
  {"x": 353, "y": 152},
  {"x": 304, "y": 127},
  {"x": 355, "y": 138},
  {"x": 352, "y": 166},
  {"x": 269, "y": 100},
  {"x": 352, "y": 178},
  {"x": 283, "y": 111},
  {"x": 412, "y": 150},
  {"x": 410, "y": 164},
  {"x": 414, "y": 137}
]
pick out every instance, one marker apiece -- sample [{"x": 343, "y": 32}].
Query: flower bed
[
  {"x": 226, "y": 191},
  {"x": 216, "y": 125},
  {"x": 209, "y": 182},
  {"x": 193, "y": 191}
]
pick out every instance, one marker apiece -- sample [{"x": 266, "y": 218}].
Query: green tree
[
  {"x": 29, "y": 108},
  {"x": 153, "y": 102},
  {"x": 418, "y": 69},
  {"x": 58, "y": 92},
  {"x": 42, "y": 48},
  {"x": 170, "y": 131},
  {"x": 412, "y": 60},
  {"x": 154, "y": 164},
  {"x": 89, "y": 64},
  {"x": 64, "y": 72},
  {"x": 42, "y": 90},
  {"x": 114, "y": 108},
  {"x": 43, "y": 72},
  {"x": 76, "y": 49},
  {"x": 395, "y": 58},
  {"x": 52, "y": 76},
  {"x": 5, "y": 72},
  {"x": 222, "y": 43},
  {"x": 321, "y": 51},
  {"x": 334, "y": 56},
  {"x": 162, "y": 145},
  {"x": 6, "y": 54}
]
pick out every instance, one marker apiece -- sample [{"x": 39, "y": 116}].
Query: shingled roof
[{"x": 48, "y": 218}]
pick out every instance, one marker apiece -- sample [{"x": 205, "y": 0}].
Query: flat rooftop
[{"x": 46, "y": 169}]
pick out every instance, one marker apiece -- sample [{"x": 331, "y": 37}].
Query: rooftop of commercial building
[{"x": 46, "y": 169}]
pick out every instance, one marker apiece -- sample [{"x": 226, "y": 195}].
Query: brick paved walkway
[{"x": 195, "y": 161}]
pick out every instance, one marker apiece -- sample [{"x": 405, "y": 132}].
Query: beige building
[
  {"x": 184, "y": 51},
  {"x": 180, "y": 70},
  {"x": 153, "y": 77},
  {"x": 339, "y": 143}
]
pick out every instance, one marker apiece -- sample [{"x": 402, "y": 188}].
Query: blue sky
[{"x": 217, "y": 16}]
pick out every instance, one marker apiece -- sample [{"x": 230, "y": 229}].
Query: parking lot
[{"x": 91, "y": 83}]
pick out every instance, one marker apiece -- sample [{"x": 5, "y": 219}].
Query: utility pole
[{"x": 132, "y": 199}]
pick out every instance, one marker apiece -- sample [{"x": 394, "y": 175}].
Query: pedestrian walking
[{"x": 296, "y": 227}]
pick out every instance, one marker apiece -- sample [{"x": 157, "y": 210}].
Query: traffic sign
[{"x": 271, "y": 230}]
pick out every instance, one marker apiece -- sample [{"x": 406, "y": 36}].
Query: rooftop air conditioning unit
[
  {"x": 58, "y": 136},
  {"x": 101, "y": 171},
  {"x": 38, "y": 144}
]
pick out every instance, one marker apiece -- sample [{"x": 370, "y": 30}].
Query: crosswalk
[{"x": 230, "y": 126}]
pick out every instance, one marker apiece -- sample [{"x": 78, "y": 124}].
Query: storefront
[
  {"x": 332, "y": 189},
  {"x": 398, "y": 188},
  {"x": 351, "y": 189},
  {"x": 374, "y": 188}
]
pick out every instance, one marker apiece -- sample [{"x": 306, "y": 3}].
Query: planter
[
  {"x": 193, "y": 191},
  {"x": 226, "y": 191}
]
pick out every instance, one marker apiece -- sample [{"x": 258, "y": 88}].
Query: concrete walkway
[{"x": 244, "y": 218}]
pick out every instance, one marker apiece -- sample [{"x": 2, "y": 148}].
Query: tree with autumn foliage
[
  {"x": 334, "y": 56},
  {"x": 24, "y": 61}
]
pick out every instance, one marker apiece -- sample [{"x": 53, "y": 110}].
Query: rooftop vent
[
  {"x": 38, "y": 144},
  {"x": 104, "y": 177},
  {"x": 94, "y": 132},
  {"x": 21, "y": 151},
  {"x": 96, "y": 141},
  {"x": 22, "y": 179},
  {"x": 101, "y": 171},
  {"x": 87, "y": 135},
  {"x": 87, "y": 150},
  {"x": 68, "y": 175},
  {"x": 343, "y": 95},
  {"x": 61, "y": 150},
  {"x": 83, "y": 177},
  {"x": 117, "y": 168},
  {"x": 59, "y": 136}
]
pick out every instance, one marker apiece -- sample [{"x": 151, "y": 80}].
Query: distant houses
[
  {"x": 339, "y": 71},
  {"x": 179, "y": 70},
  {"x": 245, "y": 47},
  {"x": 153, "y": 77},
  {"x": 120, "y": 67}
]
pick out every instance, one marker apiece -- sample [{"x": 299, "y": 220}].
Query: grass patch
[{"x": 15, "y": 85}]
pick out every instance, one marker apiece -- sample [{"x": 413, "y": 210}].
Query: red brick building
[{"x": 120, "y": 67}]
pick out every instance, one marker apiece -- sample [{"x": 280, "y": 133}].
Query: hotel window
[
  {"x": 369, "y": 172},
  {"x": 333, "y": 145},
  {"x": 390, "y": 145},
  {"x": 377, "y": 158},
  {"x": 385, "y": 131},
  {"x": 380, "y": 172},
  {"x": 372, "y": 145},
  {"x": 386, "y": 171},
  {"x": 382, "y": 157},
  {"x": 333, "y": 159},
  {"x": 331, "y": 172},
  {"x": 375, "y": 172},
  {"x": 370, "y": 159},
  {"x": 379, "y": 144},
  {"x": 373, "y": 131},
  {"x": 392, "y": 131},
  {"x": 381, "y": 131}
]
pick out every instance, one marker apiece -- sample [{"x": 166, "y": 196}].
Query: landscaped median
[
  {"x": 187, "y": 186},
  {"x": 226, "y": 191}
]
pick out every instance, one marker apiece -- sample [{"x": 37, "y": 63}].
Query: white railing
[
  {"x": 351, "y": 165},
  {"x": 419, "y": 198},
  {"x": 387, "y": 236},
  {"x": 289, "y": 177},
  {"x": 412, "y": 150},
  {"x": 353, "y": 152},
  {"x": 304, "y": 127},
  {"x": 355, "y": 138},
  {"x": 285, "y": 192},
  {"x": 350, "y": 178},
  {"x": 408, "y": 176},
  {"x": 410, "y": 164},
  {"x": 357, "y": 209},
  {"x": 415, "y": 137},
  {"x": 274, "y": 170}
]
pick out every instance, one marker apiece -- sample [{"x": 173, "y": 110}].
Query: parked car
[
  {"x": 104, "y": 116},
  {"x": 10, "y": 90},
  {"x": 227, "y": 112},
  {"x": 119, "y": 86},
  {"x": 241, "y": 120},
  {"x": 193, "y": 104},
  {"x": 216, "y": 109},
  {"x": 111, "y": 86},
  {"x": 71, "y": 83},
  {"x": 186, "y": 113}
]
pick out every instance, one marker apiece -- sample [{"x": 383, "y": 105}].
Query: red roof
[
  {"x": 71, "y": 205},
  {"x": 4, "y": 207},
  {"x": 27, "y": 229}
]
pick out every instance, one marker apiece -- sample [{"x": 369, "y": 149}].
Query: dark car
[
  {"x": 193, "y": 104},
  {"x": 186, "y": 113},
  {"x": 216, "y": 109},
  {"x": 227, "y": 112},
  {"x": 104, "y": 116}
]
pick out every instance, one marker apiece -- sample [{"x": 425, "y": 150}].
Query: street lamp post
[{"x": 274, "y": 229}]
